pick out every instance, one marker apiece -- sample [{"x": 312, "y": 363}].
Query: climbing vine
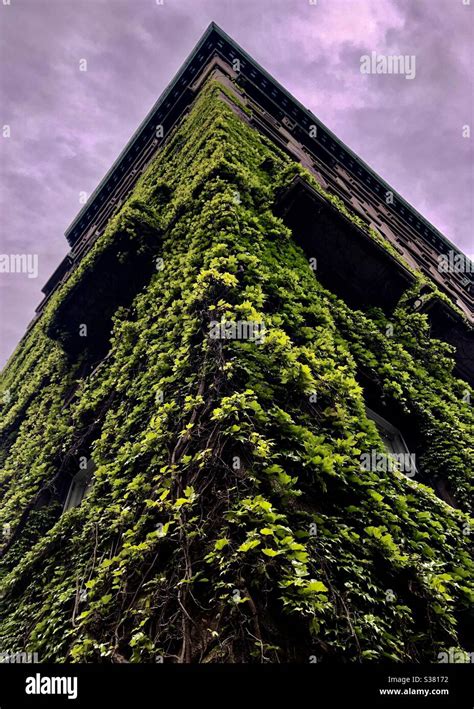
[{"x": 229, "y": 518}]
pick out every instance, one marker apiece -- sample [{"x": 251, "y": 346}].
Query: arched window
[{"x": 395, "y": 445}]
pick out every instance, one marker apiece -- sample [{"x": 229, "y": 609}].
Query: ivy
[{"x": 229, "y": 518}]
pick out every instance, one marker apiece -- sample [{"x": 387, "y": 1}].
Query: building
[{"x": 238, "y": 428}]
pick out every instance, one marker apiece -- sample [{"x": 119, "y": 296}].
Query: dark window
[
  {"x": 391, "y": 436},
  {"x": 80, "y": 486}
]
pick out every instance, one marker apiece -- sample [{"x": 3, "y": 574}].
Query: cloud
[{"x": 69, "y": 126}]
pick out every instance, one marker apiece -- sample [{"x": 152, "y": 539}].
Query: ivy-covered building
[{"x": 239, "y": 428}]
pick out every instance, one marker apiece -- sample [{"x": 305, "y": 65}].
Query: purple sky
[{"x": 67, "y": 126}]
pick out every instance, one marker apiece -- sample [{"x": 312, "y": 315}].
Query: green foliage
[{"x": 229, "y": 518}]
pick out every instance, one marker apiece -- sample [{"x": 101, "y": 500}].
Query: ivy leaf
[
  {"x": 270, "y": 552},
  {"x": 249, "y": 544},
  {"x": 221, "y": 543},
  {"x": 314, "y": 587}
]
